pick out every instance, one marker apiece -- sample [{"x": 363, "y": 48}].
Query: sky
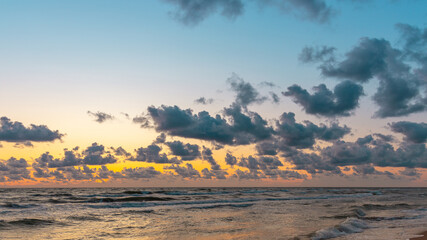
[{"x": 213, "y": 93}]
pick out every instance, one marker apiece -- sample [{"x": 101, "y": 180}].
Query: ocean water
[{"x": 213, "y": 213}]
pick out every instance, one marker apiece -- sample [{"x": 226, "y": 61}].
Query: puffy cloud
[
  {"x": 92, "y": 155},
  {"x": 23, "y": 144},
  {"x": 120, "y": 152},
  {"x": 17, "y": 132},
  {"x": 317, "y": 54},
  {"x": 365, "y": 154},
  {"x": 140, "y": 172},
  {"x": 230, "y": 159},
  {"x": 191, "y": 12},
  {"x": 242, "y": 129},
  {"x": 414, "y": 132},
  {"x": 100, "y": 117},
  {"x": 204, "y": 101},
  {"x": 185, "y": 151},
  {"x": 324, "y": 102},
  {"x": 249, "y": 127},
  {"x": 245, "y": 93},
  {"x": 370, "y": 170},
  {"x": 267, "y": 148},
  {"x": 299, "y": 135},
  {"x": 14, "y": 170},
  {"x": 186, "y": 172},
  {"x": 402, "y": 73},
  {"x": 152, "y": 154}
]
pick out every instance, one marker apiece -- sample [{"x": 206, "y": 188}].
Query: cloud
[
  {"x": 120, "y": 152},
  {"x": 242, "y": 129},
  {"x": 17, "y": 132},
  {"x": 23, "y": 144},
  {"x": 140, "y": 172},
  {"x": 186, "y": 172},
  {"x": 92, "y": 155},
  {"x": 324, "y": 102},
  {"x": 245, "y": 93},
  {"x": 299, "y": 135},
  {"x": 370, "y": 170},
  {"x": 152, "y": 154},
  {"x": 364, "y": 155},
  {"x": 192, "y": 12},
  {"x": 230, "y": 159},
  {"x": 100, "y": 117},
  {"x": 401, "y": 72},
  {"x": 274, "y": 97},
  {"x": 187, "y": 151},
  {"x": 313, "y": 10},
  {"x": 204, "y": 101},
  {"x": 14, "y": 170},
  {"x": 414, "y": 132},
  {"x": 323, "y": 54}
]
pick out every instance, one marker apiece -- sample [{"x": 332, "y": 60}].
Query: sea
[{"x": 212, "y": 213}]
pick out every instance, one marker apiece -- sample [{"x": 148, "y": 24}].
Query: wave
[
  {"x": 129, "y": 199},
  {"x": 349, "y": 226},
  {"x": 387, "y": 206},
  {"x": 155, "y": 201},
  {"x": 15, "y": 205},
  {"x": 84, "y": 218},
  {"x": 137, "y": 192},
  {"x": 223, "y": 206},
  {"x": 31, "y": 222}
]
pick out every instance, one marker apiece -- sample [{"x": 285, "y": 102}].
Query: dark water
[{"x": 212, "y": 213}]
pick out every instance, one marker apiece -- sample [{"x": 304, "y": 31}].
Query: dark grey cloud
[
  {"x": 92, "y": 155},
  {"x": 96, "y": 155},
  {"x": 204, "y": 101},
  {"x": 313, "y": 10},
  {"x": 247, "y": 126},
  {"x": 324, "y": 102},
  {"x": 182, "y": 123},
  {"x": 299, "y": 135},
  {"x": 143, "y": 121},
  {"x": 414, "y": 132},
  {"x": 230, "y": 159},
  {"x": 323, "y": 54},
  {"x": 365, "y": 154},
  {"x": 120, "y": 151},
  {"x": 274, "y": 97},
  {"x": 369, "y": 169},
  {"x": 151, "y": 153},
  {"x": 245, "y": 93},
  {"x": 410, "y": 172},
  {"x": 207, "y": 156},
  {"x": 23, "y": 144},
  {"x": 242, "y": 128},
  {"x": 161, "y": 138},
  {"x": 401, "y": 72},
  {"x": 100, "y": 117},
  {"x": 267, "y": 148},
  {"x": 192, "y": 12},
  {"x": 186, "y": 172},
  {"x": 140, "y": 172},
  {"x": 14, "y": 169},
  {"x": 185, "y": 151},
  {"x": 17, "y": 132}
]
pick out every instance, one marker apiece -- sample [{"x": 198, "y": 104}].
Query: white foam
[{"x": 350, "y": 225}]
